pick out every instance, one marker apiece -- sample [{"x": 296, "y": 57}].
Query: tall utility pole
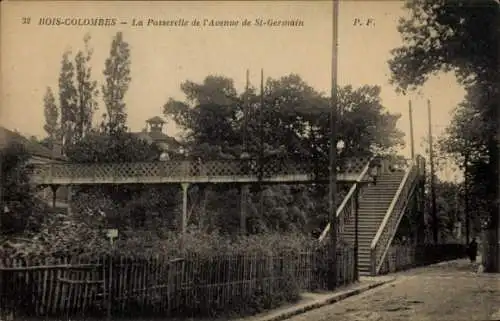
[
  {"x": 466, "y": 198},
  {"x": 261, "y": 122},
  {"x": 261, "y": 147},
  {"x": 245, "y": 113},
  {"x": 412, "y": 142},
  {"x": 332, "y": 215},
  {"x": 435, "y": 225},
  {"x": 2, "y": 148},
  {"x": 245, "y": 188}
]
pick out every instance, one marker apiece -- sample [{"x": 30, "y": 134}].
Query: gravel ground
[{"x": 453, "y": 292}]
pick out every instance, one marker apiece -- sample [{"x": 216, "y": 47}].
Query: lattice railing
[
  {"x": 387, "y": 229},
  {"x": 45, "y": 173},
  {"x": 345, "y": 212}
]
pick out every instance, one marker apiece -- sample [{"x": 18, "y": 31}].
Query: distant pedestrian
[
  {"x": 472, "y": 250},
  {"x": 374, "y": 174}
]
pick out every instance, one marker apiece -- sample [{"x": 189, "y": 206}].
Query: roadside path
[{"x": 448, "y": 292}]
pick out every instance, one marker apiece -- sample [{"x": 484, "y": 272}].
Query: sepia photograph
[{"x": 313, "y": 160}]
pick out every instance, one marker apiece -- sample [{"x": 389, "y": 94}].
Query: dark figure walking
[{"x": 472, "y": 250}]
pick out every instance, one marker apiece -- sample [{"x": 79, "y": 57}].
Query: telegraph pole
[
  {"x": 245, "y": 113},
  {"x": 412, "y": 142},
  {"x": 261, "y": 147},
  {"x": 332, "y": 215},
  {"x": 261, "y": 122},
  {"x": 435, "y": 225},
  {"x": 2, "y": 149}
]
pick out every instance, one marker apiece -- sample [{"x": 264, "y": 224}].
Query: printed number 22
[{"x": 26, "y": 20}]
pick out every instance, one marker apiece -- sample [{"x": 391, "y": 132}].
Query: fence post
[{"x": 111, "y": 234}]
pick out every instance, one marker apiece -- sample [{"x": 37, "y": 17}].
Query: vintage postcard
[{"x": 249, "y": 159}]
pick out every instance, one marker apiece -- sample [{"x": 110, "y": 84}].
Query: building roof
[
  {"x": 159, "y": 138},
  {"x": 35, "y": 149},
  {"x": 156, "y": 120}
]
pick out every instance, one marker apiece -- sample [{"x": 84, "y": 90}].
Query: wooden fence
[
  {"x": 189, "y": 286},
  {"x": 403, "y": 257}
]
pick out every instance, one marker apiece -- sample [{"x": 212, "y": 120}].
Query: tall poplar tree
[
  {"x": 51, "y": 114},
  {"x": 117, "y": 73},
  {"x": 67, "y": 100},
  {"x": 86, "y": 90}
]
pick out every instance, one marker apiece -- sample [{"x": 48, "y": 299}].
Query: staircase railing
[
  {"x": 345, "y": 212},
  {"x": 387, "y": 230}
]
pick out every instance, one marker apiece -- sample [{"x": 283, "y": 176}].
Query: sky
[{"x": 165, "y": 56}]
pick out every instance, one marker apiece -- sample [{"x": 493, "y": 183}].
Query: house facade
[
  {"x": 39, "y": 155},
  {"x": 153, "y": 133}
]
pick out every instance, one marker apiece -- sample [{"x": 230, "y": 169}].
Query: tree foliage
[
  {"x": 293, "y": 123},
  {"x": 294, "y": 116},
  {"x": 22, "y": 211},
  {"x": 117, "y": 73},
  {"x": 67, "y": 100},
  {"x": 77, "y": 95},
  {"x": 460, "y": 36},
  {"x": 51, "y": 113},
  {"x": 86, "y": 90}
]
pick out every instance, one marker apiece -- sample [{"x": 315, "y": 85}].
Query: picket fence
[{"x": 191, "y": 285}]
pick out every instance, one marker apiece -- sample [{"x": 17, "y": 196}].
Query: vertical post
[
  {"x": 183, "y": 223},
  {"x": 332, "y": 215},
  {"x": 112, "y": 234},
  {"x": 245, "y": 114},
  {"x": 356, "y": 233},
  {"x": 69, "y": 197},
  {"x": 435, "y": 223},
  {"x": 54, "y": 195},
  {"x": 1, "y": 188},
  {"x": 243, "y": 208},
  {"x": 466, "y": 199},
  {"x": 261, "y": 124},
  {"x": 261, "y": 147},
  {"x": 412, "y": 142},
  {"x": 110, "y": 280},
  {"x": 202, "y": 211}
]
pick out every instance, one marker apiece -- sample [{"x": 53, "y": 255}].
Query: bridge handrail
[
  {"x": 179, "y": 168},
  {"x": 398, "y": 203},
  {"x": 344, "y": 207}
]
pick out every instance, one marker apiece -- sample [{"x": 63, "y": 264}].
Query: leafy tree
[
  {"x": 99, "y": 147},
  {"x": 67, "y": 100},
  {"x": 85, "y": 90},
  {"x": 294, "y": 124},
  {"x": 117, "y": 73},
  {"x": 460, "y": 37},
  {"x": 24, "y": 212},
  {"x": 124, "y": 206},
  {"x": 465, "y": 141},
  {"x": 294, "y": 116},
  {"x": 51, "y": 113}
]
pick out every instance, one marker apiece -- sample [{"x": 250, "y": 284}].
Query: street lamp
[{"x": 340, "y": 145}]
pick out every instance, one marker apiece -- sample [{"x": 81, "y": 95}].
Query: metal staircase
[{"x": 380, "y": 209}]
